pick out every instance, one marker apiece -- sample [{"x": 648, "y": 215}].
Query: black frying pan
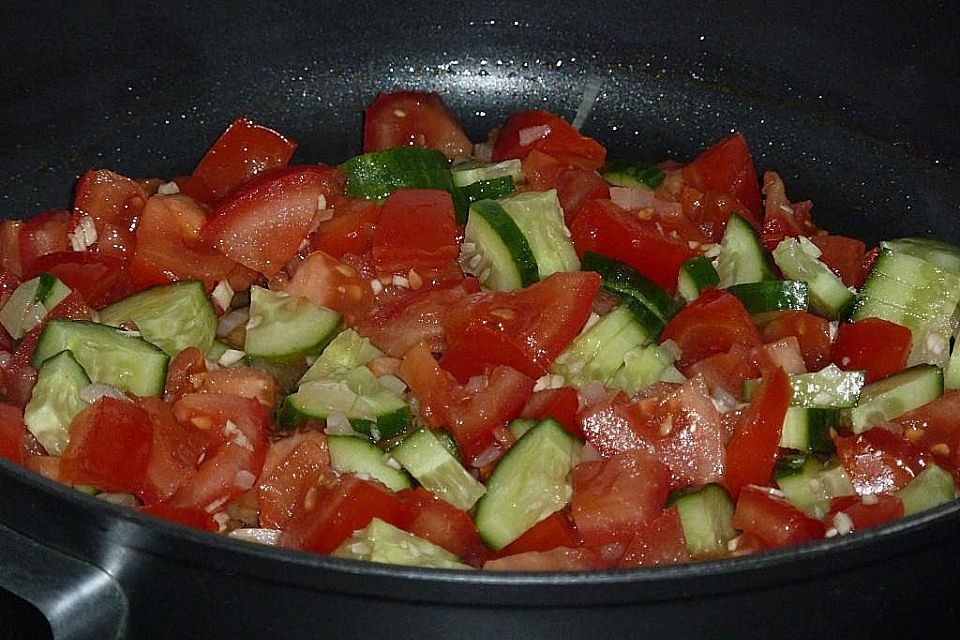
[{"x": 854, "y": 105}]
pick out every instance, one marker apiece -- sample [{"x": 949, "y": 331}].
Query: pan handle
[{"x": 79, "y": 600}]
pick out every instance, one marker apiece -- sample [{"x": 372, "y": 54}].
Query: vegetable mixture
[{"x": 514, "y": 355}]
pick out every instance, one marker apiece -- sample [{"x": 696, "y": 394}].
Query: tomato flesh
[
  {"x": 711, "y": 324},
  {"x": 416, "y": 235},
  {"x": 772, "y": 520},
  {"x": 856, "y": 347},
  {"x": 660, "y": 541},
  {"x": 526, "y": 131},
  {"x": 726, "y": 167},
  {"x": 413, "y": 118}
]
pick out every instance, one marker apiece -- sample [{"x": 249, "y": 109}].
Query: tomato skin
[
  {"x": 856, "y": 347},
  {"x": 813, "y": 333},
  {"x": 351, "y": 228},
  {"x": 574, "y": 185},
  {"x": 543, "y": 318},
  {"x": 293, "y": 467},
  {"x": 444, "y": 525},
  {"x": 110, "y": 446},
  {"x": 559, "y": 140},
  {"x": 773, "y": 520},
  {"x": 711, "y": 324},
  {"x": 193, "y": 518},
  {"x": 333, "y": 284},
  {"x": 12, "y": 433},
  {"x": 709, "y": 210},
  {"x": 726, "y": 371},
  {"x": 416, "y": 119},
  {"x": 99, "y": 278},
  {"x": 243, "y": 150},
  {"x": 417, "y": 231},
  {"x": 262, "y": 223},
  {"x": 879, "y": 461},
  {"x": 646, "y": 245},
  {"x": 176, "y": 447},
  {"x": 726, "y": 167},
  {"x": 10, "y": 246},
  {"x": 783, "y": 218},
  {"x": 479, "y": 347},
  {"x": 843, "y": 255},
  {"x": 556, "y": 559},
  {"x": 114, "y": 203},
  {"x": 44, "y": 233},
  {"x": 752, "y": 452},
  {"x": 561, "y": 404},
  {"x": 556, "y": 530},
  {"x": 334, "y": 510},
  {"x": 660, "y": 541},
  {"x": 936, "y": 428},
  {"x": 613, "y": 498},
  {"x": 881, "y": 508}
]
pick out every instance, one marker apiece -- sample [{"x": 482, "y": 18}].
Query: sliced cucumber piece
[
  {"x": 30, "y": 302},
  {"x": 895, "y": 395},
  {"x": 951, "y": 376},
  {"x": 519, "y": 426},
  {"x": 943, "y": 254},
  {"x": 808, "y": 485},
  {"x": 539, "y": 217},
  {"x": 488, "y": 189},
  {"x": 930, "y": 488},
  {"x": 283, "y": 326},
  {"x": 385, "y": 543},
  {"x": 635, "y": 175},
  {"x": 55, "y": 401},
  {"x": 798, "y": 259},
  {"x": 771, "y": 295},
  {"x": 108, "y": 355},
  {"x": 650, "y": 303},
  {"x": 808, "y": 429},
  {"x": 470, "y": 172},
  {"x": 706, "y": 516},
  {"x": 528, "y": 484},
  {"x": 346, "y": 351},
  {"x": 919, "y": 295},
  {"x": 171, "y": 316},
  {"x": 427, "y": 460},
  {"x": 495, "y": 250},
  {"x": 742, "y": 258},
  {"x": 363, "y": 458},
  {"x": 829, "y": 388},
  {"x": 696, "y": 274}
]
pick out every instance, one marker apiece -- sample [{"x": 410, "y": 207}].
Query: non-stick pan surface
[{"x": 854, "y": 105}]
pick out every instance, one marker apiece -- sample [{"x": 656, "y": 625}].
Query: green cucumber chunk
[
  {"x": 55, "y": 401},
  {"x": 539, "y": 217},
  {"x": 930, "y": 488},
  {"x": 917, "y": 294},
  {"x": 495, "y": 250},
  {"x": 706, "y": 516},
  {"x": 108, "y": 355},
  {"x": 951, "y": 376},
  {"x": 488, "y": 189},
  {"x": 809, "y": 485},
  {"x": 771, "y": 295},
  {"x": 798, "y": 259},
  {"x": 635, "y": 175},
  {"x": 943, "y": 254},
  {"x": 808, "y": 429},
  {"x": 363, "y": 458},
  {"x": 696, "y": 274},
  {"x": 171, "y": 316},
  {"x": 528, "y": 484},
  {"x": 424, "y": 456},
  {"x": 742, "y": 258},
  {"x": 30, "y": 302},
  {"x": 382, "y": 542},
  {"x": 474, "y": 171},
  {"x": 345, "y": 352},
  {"x": 283, "y": 326},
  {"x": 829, "y": 388},
  {"x": 650, "y": 303},
  {"x": 895, "y": 395}
]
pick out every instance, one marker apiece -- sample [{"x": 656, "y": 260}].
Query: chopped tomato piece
[
  {"x": 543, "y": 318},
  {"x": 110, "y": 447},
  {"x": 99, "y": 278},
  {"x": 330, "y": 283},
  {"x": 843, "y": 255},
  {"x": 526, "y": 131},
  {"x": 869, "y": 258},
  {"x": 194, "y": 518},
  {"x": 416, "y": 119},
  {"x": 726, "y": 167},
  {"x": 417, "y": 317},
  {"x": 773, "y": 520},
  {"x": 244, "y": 150},
  {"x": 813, "y": 333},
  {"x": 44, "y": 233},
  {"x": 556, "y": 530},
  {"x": 561, "y": 404},
  {"x": 648, "y": 246},
  {"x": 877, "y": 346},
  {"x": 113, "y": 202},
  {"x": 709, "y": 210},
  {"x": 175, "y": 453},
  {"x": 711, "y": 324},
  {"x": 556, "y": 559},
  {"x": 417, "y": 236},
  {"x": 612, "y": 499},
  {"x": 782, "y": 218},
  {"x": 936, "y": 428},
  {"x": 333, "y": 511},
  {"x": 855, "y": 513},
  {"x": 444, "y": 525},
  {"x": 752, "y": 452},
  {"x": 294, "y": 467},
  {"x": 262, "y": 223},
  {"x": 351, "y": 228},
  {"x": 660, "y": 541},
  {"x": 12, "y": 433},
  {"x": 879, "y": 460},
  {"x": 10, "y": 246},
  {"x": 574, "y": 185},
  {"x": 479, "y": 347}
]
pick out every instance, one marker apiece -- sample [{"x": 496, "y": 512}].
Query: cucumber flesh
[
  {"x": 427, "y": 460},
  {"x": 895, "y": 395},
  {"x": 346, "y": 351},
  {"x": 495, "y": 250},
  {"x": 742, "y": 258},
  {"x": 539, "y": 217},
  {"x": 55, "y": 401},
  {"x": 696, "y": 274},
  {"x": 382, "y": 542},
  {"x": 363, "y": 458},
  {"x": 808, "y": 429},
  {"x": 943, "y": 254},
  {"x": 771, "y": 295},
  {"x": 528, "y": 484},
  {"x": 283, "y": 326},
  {"x": 30, "y": 302},
  {"x": 829, "y": 388},
  {"x": 809, "y": 486},
  {"x": 706, "y": 516},
  {"x": 171, "y": 316},
  {"x": 467, "y": 173},
  {"x": 798, "y": 259},
  {"x": 930, "y": 488}
]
